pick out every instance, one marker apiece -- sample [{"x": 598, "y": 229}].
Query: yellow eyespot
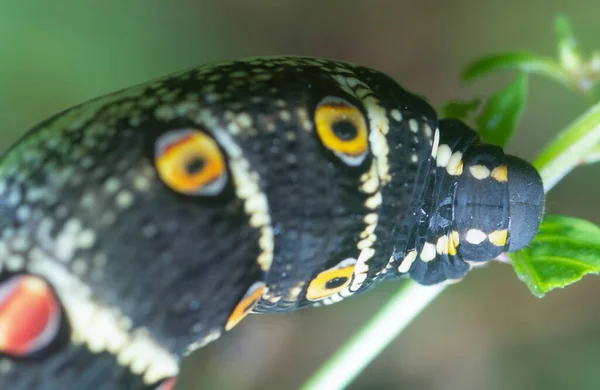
[
  {"x": 343, "y": 130},
  {"x": 190, "y": 162},
  {"x": 331, "y": 281},
  {"x": 246, "y": 305}
]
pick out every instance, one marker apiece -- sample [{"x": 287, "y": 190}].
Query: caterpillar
[{"x": 142, "y": 225}]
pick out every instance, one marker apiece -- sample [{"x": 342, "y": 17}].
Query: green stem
[
  {"x": 593, "y": 157},
  {"x": 370, "y": 341},
  {"x": 569, "y": 148},
  {"x": 565, "y": 152}
]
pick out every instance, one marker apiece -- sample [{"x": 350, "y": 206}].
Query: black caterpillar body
[{"x": 141, "y": 225}]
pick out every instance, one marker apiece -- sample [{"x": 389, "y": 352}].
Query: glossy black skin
[{"x": 181, "y": 279}]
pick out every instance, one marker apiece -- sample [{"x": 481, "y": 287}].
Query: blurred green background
[{"x": 487, "y": 332}]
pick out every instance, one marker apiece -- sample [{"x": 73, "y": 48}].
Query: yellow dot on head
[
  {"x": 498, "y": 237},
  {"x": 500, "y": 173},
  {"x": 452, "y": 243}
]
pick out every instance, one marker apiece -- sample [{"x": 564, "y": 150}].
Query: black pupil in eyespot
[
  {"x": 194, "y": 165},
  {"x": 345, "y": 130},
  {"x": 336, "y": 282}
]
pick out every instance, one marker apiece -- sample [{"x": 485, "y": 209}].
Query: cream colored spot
[
  {"x": 500, "y": 173},
  {"x": 479, "y": 172},
  {"x": 374, "y": 201},
  {"x": 455, "y": 163},
  {"x": 443, "y": 155},
  {"x": 414, "y": 158},
  {"x": 408, "y": 260},
  {"x": 441, "y": 247},
  {"x": 436, "y": 143},
  {"x": 396, "y": 115},
  {"x": 413, "y": 125},
  {"x": 294, "y": 292},
  {"x": 428, "y": 252},
  {"x": 370, "y": 218},
  {"x": 498, "y": 237},
  {"x": 475, "y": 236}
]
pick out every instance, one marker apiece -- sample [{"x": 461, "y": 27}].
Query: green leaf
[
  {"x": 502, "y": 112},
  {"x": 565, "y": 250},
  {"x": 568, "y": 54},
  {"x": 459, "y": 109},
  {"x": 523, "y": 61}
]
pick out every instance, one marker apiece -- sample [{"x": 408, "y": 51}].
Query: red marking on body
[
  {"x": 168, "y": 384},
  {"x": 29, "y": 315}
]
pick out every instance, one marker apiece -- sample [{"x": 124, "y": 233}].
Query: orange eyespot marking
[
  {"x": 331, "y": 281},
  {"x": 167, "y": 384},
  {"x": 190, "y": 162},
  {"x": 29, "y": 315},
  {"x": 343, "y": 130},
  {"x": 246, "y": 305}
]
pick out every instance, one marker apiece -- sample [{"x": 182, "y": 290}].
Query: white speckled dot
[
  {"x": 396, "y": 115},
  {"x": 413, "y": 125},
  {"x": 285, "y": 116},
  {"x": 112, "y": 185},
  {"x": 436, "y": 143},
  {"x": 408, "y": 260},
  {"x": 475, "y": 236},
  {"x": 427, "y": 131},
  {"x": 244, "y": 120},
  {"x": 88, "y": 200},
  {"x": 86, "y": 238},
  {"x": 141, "y": 183},
  {"x": 124, "y": 199},
  {"x": 443, "y": 155},
  {"x": 479, "y": 172},
  {"x": 428, "y": 252}
]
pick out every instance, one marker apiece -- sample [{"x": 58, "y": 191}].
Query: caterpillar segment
[{"x": 145, "y": 224}]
